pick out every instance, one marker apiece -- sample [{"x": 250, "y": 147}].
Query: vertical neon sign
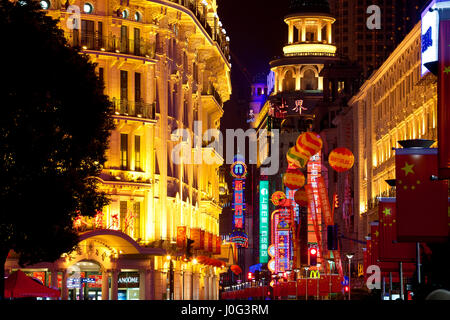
[
  {"x": 238, "y": 236},
  {"x": 263, "y": 221}
]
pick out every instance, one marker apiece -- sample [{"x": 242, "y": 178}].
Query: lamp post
[
  {"x": 170, "y": 276},
  {"x": 306, "y": 293},
  {"x": 318, "y": 281},
  {"x": 330, "y": 262},
  {"x": 296, "y": 283},
  {"x": 194, "y": 262},
  {"x": 349, "y": 256}
]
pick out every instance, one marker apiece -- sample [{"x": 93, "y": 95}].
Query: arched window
[
  {"x": 288, "y": 81},
  {"x": 310, "y": 81}
]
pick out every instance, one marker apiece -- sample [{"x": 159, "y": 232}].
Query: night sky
[{"x": 257, "y": 35}]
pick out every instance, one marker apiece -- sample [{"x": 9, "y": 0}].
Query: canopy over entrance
[{"x": 19, "y": 285}]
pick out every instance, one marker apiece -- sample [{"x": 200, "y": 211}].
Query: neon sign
[
  {"x": 238, "y": 236},
  {"x": 263, "y": 221}
]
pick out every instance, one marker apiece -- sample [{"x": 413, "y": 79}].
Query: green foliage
[{"x": 54, "y": 129}]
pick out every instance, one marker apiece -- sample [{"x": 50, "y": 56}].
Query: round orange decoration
[
  {"x": 294, "y": 179},
  {"x": 301, "y": 198},
  {"x": 277, "y": 197},
  {"x": 341, "y": 159},
  {"x": 296, "y": 159},
  {"x": 310, "y": 143}
]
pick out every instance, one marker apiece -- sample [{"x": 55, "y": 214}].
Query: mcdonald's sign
[{"x": 314, "y": 274}]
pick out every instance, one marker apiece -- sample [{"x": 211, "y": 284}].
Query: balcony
[
  {"x": 212, "y": 92},
  {"x": 217, "y": 35},
  {"x": 140, "y": 47},
  {"x": 137, "y": 109}
]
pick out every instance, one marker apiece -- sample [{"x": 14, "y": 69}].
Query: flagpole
[
  {"x": 384, "y": 289},
  {"x": 390, "y": 285},
  {"x": 401, "y": 281},
  {"x": 419, "y": 276}
]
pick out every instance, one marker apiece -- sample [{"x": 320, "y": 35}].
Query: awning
[{"x": 19, "y": 285}]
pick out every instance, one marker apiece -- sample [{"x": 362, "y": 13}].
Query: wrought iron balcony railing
[
  {"x": 137, "y": 109},
  {"x": 216, "y": 34},
  {"x": 212, "y": 91},
  {"x": 137, "y": 47}
]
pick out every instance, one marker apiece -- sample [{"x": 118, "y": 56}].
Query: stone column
[
  {"x": 54, "y": 279},
  {"x": 64, "y": 289},
  {"x": 303, "y": 31},
  {"x": 291, "y": 33},
  {"x": 158, "y": 287},
  {"x": 145, "y": 286},
  {"x": 329, "y": 34},
  {"x": 105, "y": 285},
  {"x": 114, "y": 284},
  {"x": 319, "y": 30}
]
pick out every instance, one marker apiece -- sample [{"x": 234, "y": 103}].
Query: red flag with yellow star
[
  {"x": 388, "y": 248},
  {"x": 373, "y": 244},
  {"x": 422, "y": 204},
  {"x": 444, "y": 99}
]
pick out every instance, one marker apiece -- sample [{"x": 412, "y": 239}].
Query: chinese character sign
[
  {"x": 238, "y": 204},
  {"x": 263, "y": 221}
]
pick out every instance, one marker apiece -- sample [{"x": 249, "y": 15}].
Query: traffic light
[
  {"x": 189, "y": 249},
  {"x": 346, "y": 289},
  {"x": 312, "y": 256},
  {"x": 249, "y": 276}
]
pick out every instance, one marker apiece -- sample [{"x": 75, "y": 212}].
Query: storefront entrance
[{"x": 85, "y": 281}]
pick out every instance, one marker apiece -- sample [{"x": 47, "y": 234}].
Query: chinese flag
[
  {"x": 389, "y": 250},
  {"x": 422, "y": 204},
  {"x": 444, "y": 99},
  {"x": 373, "y": 243}
]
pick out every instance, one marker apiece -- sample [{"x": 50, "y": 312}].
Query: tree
[{"x": 54, "y": 130}]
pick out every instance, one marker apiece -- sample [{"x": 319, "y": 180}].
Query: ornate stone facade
[{"x": 165, "y": 65}]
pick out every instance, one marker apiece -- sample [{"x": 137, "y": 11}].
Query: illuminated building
[
  {"x": 396, "y": 103},
  {"x": 308, "y": 86},
  {"x": 165, "y": 64},
  {"x": 370, "y": 48}
]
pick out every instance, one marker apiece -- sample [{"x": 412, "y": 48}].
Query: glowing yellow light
[
  {"x": 194, "y": 261},
  {"x": 168, "y": 257},
  {"x": 309, "y": 47}
]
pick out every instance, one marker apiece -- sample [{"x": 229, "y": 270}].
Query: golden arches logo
[{"x": 314, "y": 274}]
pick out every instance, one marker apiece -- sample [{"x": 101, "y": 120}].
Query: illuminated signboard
[
  {"x": 430, "y": 36},
  {"x": 238, "y": 204},
  {"x": 263, "y": 221},
  {"x": 238, "y": 236},
  {"x": 290, "y": 195}
]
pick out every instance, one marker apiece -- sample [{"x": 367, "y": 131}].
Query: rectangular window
[
  {"x": 87, "y": 33},
  {"x": 137, "y": 220},
  {"x": 123, "y": 92},
  {"x": 137, "y": 153},
  {"x": 123, "y": 215},
  {"x": 124, "y": 47},
  {"x": 137, "y": 41},
  {"x": 100, "y": 35},
  {"x": 124, "y": 151},
  {"x": 101, "y": 75}
]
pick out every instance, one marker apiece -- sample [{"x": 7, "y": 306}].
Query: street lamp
[
  {"x": 330, "y": 262},
  {"x": 170, "y": 288},
  {"x": 306, "y": 293},
  {"x": 296, "y": 282},
  {"x": 349, "y": 256}
]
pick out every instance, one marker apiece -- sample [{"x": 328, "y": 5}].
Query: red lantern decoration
[
  {"x": 277, "y": 197},
  {"x": 296, "y": 158},
  {"x": 236, "y": 269},
  {"x": 294, "y": 179},
  {"x": 309, "y": 143},
  {"x": 341, "y": 159},
  {"x": 301, "y": 198}
]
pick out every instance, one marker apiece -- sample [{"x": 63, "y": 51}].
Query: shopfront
[{"x": 128, "y": 283}]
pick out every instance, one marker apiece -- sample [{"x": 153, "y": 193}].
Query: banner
[
  {"x": 209, "y": 236},
  {"x": 202, "y": 239},
  {"x": 217, "y": 244},
  {"x": 195, "y": 235},
  {"x": 422, "y": 204},
  {"x": 324, "y": 201},
  {"x": 388, "y": 249},
  {"x": 443, "y": 112},
  {"x": 181, "y": 236}
]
